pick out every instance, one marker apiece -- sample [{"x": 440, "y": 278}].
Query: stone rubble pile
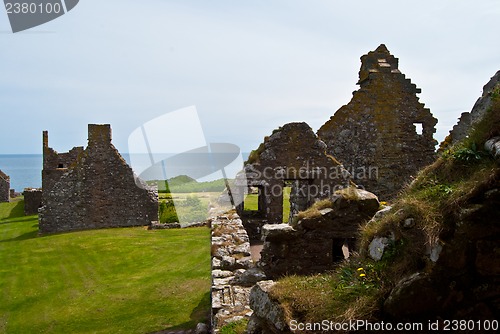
[{"x": 233, "y": 271}]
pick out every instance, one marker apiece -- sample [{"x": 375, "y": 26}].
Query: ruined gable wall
[
  {"x": 97, "y": 191},
  {"x": 374, "y": 135},
  {"x": 4, "y": 187},
  {"x": 56, "y": 164},
  {"x": 293, "y": 153}
]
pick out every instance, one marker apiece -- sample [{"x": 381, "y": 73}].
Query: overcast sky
[{"x": 248, "y": 66}]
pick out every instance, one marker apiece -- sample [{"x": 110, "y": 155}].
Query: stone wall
[
  {"x": 468, "y": 119},
  {"x": 318, "y": 241},
  {"x": 233, "y": 271},
  {"x": 95, "y": 188},
  {"x": 292, "y": 156},
  {"x": 384, "y": 135},
  {"x": 4, "y": 187},
  {"x": 56, "y": 164},
  {"x": 32, "y": 201}
]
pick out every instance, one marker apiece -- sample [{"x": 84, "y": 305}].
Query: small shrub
[
  {"x": 167, "y": 212},
  {"x": 468, "y": 154}
]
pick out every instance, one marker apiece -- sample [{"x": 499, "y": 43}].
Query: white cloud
[{"x": 248, "y": 66}]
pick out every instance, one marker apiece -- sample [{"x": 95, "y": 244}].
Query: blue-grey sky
[{"x": 248, "y": 66}]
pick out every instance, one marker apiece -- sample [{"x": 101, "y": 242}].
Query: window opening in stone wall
[
  {"x": 287, "y": 188},
  {"x": 338, "y": 254},
  {"x": 348, "y": 247},
  {"x": 60, "y": 166},
  {"x": 419, "y": 128},
  {"x": 251, "y": 202}
]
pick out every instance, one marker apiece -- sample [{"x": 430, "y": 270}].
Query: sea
[{"x": 25, "y": 170}]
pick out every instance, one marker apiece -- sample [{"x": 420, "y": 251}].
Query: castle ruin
[
  {"x": 32, "y": 201},
  {"x": 469, "y": 119},
  {"x": 92, "y": 188},
  {"x": 4, "y": 187},
  {"x": 293, "y": 156},
  {"x": 384, "y": 135}
]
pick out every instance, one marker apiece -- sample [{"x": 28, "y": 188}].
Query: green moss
[{"x": 254, "y": 155}]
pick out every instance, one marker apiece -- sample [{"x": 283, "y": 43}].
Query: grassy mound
[
  {"x": 126, "y": 280},
  {"x": 359, "y": 286}
]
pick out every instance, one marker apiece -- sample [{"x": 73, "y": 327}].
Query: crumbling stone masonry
[
  {"x": 92, "y": 188},
  {"x": 384, "y": 135},
  {"x": 315, "y": 242},
  {"x": 56, "y": 164},
  {"x": 4, "y": 187},
  {"x": 468, "y": 119},
  {"x": 233, "y": 271},
  {"x": 292, "y": 156},
  {"x": 32, "y": 201}
]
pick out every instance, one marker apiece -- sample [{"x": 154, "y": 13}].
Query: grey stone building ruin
[
  {"x": 384, "y": 135},
  {"x": 32, "y": 201},
  {"x": 320, "y": 239},
  {"x": 92, "y": 188},
  {"x": 294, "y": 157},
  {"x": 468, "y": 119},
  {"x": 4, "y": 187}
]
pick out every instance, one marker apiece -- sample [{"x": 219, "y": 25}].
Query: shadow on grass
[
  {"x": 17, "y": 211},
  {"x": 201, "y": 313},
  {"x": 25, "y": 236},
  {"x": 18, "y": 220}
]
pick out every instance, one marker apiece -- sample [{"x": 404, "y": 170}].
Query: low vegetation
[
  {"x": 186, "y": 184},
  {"x": 185, "y": 207},
  {"x": 122, "y": 280},
  {"x": 359, "y": 285},
  {"x": 236, "y": 327},
  {"x": 314, "y": 210}
]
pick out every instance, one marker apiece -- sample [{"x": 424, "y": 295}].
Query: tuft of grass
[
  {"x": 348, "y": 293},
  {"x": 314, "y": 210},
  {"x": 236, "y": 327},
  {"x": 122, "y": 280}
]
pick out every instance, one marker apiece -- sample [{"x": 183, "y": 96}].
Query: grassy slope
[
  {"x": 358, "y": 287},
  {"x": 126, "y": 280}
]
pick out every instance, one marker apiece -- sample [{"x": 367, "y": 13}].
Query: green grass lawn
[{"x": 123, "y": 280}]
